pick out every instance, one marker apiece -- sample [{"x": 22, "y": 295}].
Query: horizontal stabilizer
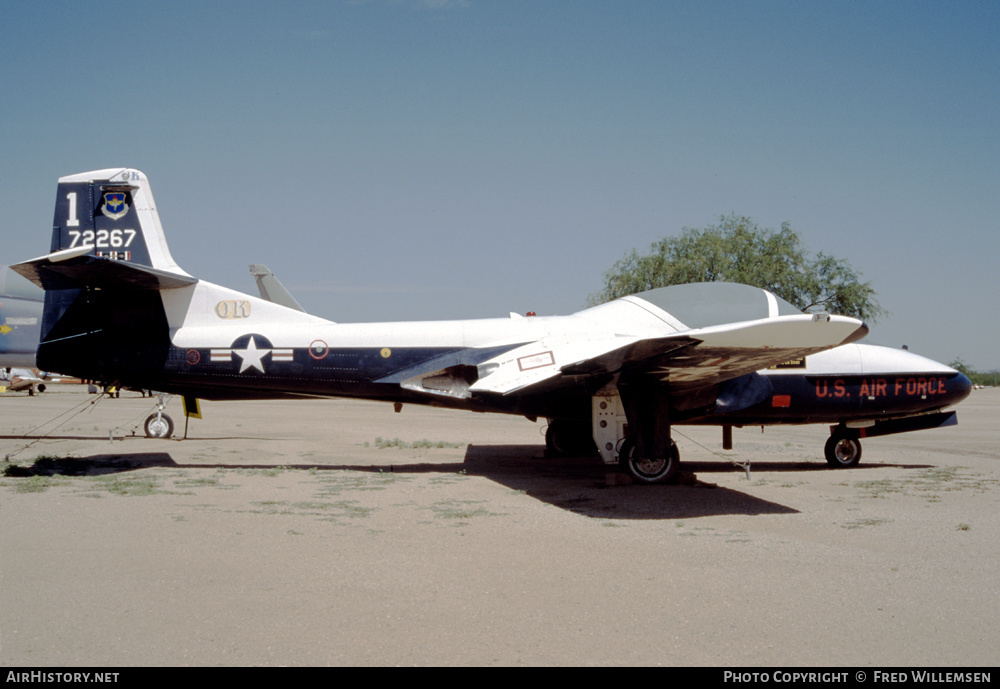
[{"x": 59, "y": 271}]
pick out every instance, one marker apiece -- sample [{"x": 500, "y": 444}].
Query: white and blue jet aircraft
[{"x": 118, "y": 309}]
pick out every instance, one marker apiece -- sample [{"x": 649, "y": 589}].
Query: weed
[
  {"x": 447, "y": 479},
  {"x": 270, "y": 507},
  {"x": 197, "y": 482},
  {"x": 347, "y": 508},
  {"x": 929, "y": 483},
  {"x": 128, "y": 485},
  {"x": 334, "y": 483},
  {"x": 382, "y": 443},
  {"x": 35, "y": 484},
  {"x": 459, "y": 509},
  {"x": 858, "y": 523},
  {"x": 879, "y": 488}
]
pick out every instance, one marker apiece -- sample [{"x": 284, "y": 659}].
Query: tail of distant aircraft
[
  {"x": 108, "y": 260},
  {"x": 271, "y": 289},
  {"x": 20, "y": 320}
]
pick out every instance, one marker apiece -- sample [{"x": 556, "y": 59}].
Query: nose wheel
[{"x": 842, "y": 451}]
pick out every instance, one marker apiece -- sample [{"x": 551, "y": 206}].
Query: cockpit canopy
[{"x": 703, "y": 304}]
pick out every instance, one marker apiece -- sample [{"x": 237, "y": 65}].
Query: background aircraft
[
  {"x": 30, "y": 379},
  {"x": 20, "y": 320},
  {"x": 119, "y": 309},
  {"x": 18, "y": 379},
  {"x": 20, "y": 325}
]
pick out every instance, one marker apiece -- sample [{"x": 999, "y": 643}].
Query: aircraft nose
[
  {"x": 911, "y": 375},
  {"x": 958, "y": 388}
]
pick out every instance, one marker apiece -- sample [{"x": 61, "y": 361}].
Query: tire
[
  {"x": 159, "y": 426},
  {"x": 842, "y": 451},
  {"x": 569, "y": 439},
  {"x": 649, "y": 471}
]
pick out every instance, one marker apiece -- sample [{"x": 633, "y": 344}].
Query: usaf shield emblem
[{"x": 114, "y": 205}]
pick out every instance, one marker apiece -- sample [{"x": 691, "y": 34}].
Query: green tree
[{"x": 736, "y": 250}]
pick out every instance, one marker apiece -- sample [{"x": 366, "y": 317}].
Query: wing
[{"x": 687, "y": 360}]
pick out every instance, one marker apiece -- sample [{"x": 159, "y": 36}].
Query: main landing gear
[
  {"x": 630, "y": 424},
  {"x": 568, "y": 438},
  {"x": 649, "y": 470}
]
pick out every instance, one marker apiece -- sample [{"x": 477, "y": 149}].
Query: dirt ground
[{"x": 332, "y": 532}]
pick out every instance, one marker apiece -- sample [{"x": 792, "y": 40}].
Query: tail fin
[
  {"x": 106, "y": 234},
  {"x": 112, "y": 212},
  {"x": 271, "y": 289}
]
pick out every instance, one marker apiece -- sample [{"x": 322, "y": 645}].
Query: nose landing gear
[{"x": 842, "y": 451}]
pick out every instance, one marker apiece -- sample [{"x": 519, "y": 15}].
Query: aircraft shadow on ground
[
  {"x": 575, "y": 484},
  {"x": 579, "y": 485},
  {"x": 94, "y": 465}
]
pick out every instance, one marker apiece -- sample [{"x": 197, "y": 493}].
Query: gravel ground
[{"x": 331, "y": 532}]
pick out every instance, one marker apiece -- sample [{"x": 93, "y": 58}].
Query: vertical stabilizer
[
  {"x": 271, "y": 289},
  {"x": 103, "y": 316},
  {"x": 112, "y": 212}
]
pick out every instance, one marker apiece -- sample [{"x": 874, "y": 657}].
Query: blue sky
[{"x": 431, "y": 159}]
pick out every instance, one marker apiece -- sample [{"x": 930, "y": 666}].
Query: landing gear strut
[{"x": 648, "y": 454}]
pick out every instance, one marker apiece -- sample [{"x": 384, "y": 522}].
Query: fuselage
[{"x": 213, "y": 343}]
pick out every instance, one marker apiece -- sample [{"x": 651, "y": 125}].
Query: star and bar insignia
[{"x": 252, "y": 351}]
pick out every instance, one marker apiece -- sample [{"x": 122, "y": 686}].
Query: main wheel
[
  {"x": 564, "y": 438},
  {"x": 648, "y": 470},
  {"x": 159, "y": 426},
  {"x": 842, "y": 451}
]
